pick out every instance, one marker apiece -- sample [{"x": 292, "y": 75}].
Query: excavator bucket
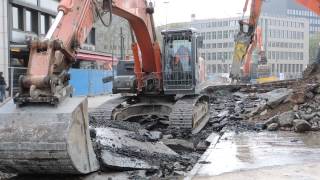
[{"x": 43, "y": 139}]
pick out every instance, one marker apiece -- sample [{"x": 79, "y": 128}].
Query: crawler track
[{"x": 190, "y": 113}]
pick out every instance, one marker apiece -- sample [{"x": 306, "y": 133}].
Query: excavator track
[
  {"x": 190, "y": 113},
  {"x": 104, "y": 113}
]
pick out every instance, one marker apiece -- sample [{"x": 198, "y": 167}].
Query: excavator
[
  {"x": 249, "y": 37},
  {"x": 45, "y": 130},
  {"x": 245, "y": 43}
]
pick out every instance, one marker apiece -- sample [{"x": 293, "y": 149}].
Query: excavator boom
[{"x": 313, "y": 5}]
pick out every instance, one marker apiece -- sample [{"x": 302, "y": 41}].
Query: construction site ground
[{"x": 267, "y": 131}]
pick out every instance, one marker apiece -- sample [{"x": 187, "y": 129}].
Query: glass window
[
  {"x": 219, "y": 68},
  {"x": 42, "y": 24},
  {"x": 17, "y": 18},
  {"x": 214, "y": 69},
  {"x": 219, "y": 34},
  {"x": 214, "y": 35},
  {"x": 178, "y": 53},
  {"x": 31, "y": 21},
  {"x": 214, "y": 56},
  {"x": 28, "y": 21},
  {"x": 285, "y": 68},
  {"x": 225, "y": 34},
  {"x": 225, "y": 45}
]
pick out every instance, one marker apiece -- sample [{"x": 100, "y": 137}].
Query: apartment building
[{"x": 286, "y": 41}]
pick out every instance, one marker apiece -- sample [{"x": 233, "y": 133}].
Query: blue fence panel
[{"x": 89, "y": 82}]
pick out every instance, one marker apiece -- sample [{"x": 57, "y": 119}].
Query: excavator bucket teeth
[{"x": 45, "y": 139}]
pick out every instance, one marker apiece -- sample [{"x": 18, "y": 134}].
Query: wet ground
[{"x": 246, "y": 153}]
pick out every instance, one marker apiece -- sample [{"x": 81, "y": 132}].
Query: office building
[{"x": 286, "y": 41}]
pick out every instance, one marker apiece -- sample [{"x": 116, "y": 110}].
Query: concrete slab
[
  {"x": 253, "y": 151},
  {"x": 119, "y": 151}
]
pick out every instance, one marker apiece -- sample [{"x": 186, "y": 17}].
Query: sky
[{"x": 181, "y": 10}]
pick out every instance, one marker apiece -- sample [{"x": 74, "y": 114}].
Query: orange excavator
[
  {"x": 250, "y": 37},
  {"x": 245, "y": 43},
  {"x": 45, "y": 130}
]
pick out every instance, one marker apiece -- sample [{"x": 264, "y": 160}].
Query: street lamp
[{"x": 167, "y": 4}]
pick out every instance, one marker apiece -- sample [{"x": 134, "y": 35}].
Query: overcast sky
[{"x": 181, "y": 10}]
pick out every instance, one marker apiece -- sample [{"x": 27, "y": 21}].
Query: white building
[
  {"x": 286, "y": 41},
  {"x": 4, "y": 50}
]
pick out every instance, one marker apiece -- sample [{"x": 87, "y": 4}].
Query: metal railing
[{"x": 178, "y": 80}]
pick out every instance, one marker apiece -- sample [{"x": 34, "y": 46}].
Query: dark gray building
[
  {"x": 21, "y": 20},
  {"x": 292, "y": 9}
]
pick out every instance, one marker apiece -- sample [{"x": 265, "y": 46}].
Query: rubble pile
[
  {"x": 298, "y": 110},
  {"x": 146, "y": 143}
]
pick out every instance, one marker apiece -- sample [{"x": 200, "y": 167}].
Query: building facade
[
  {"x": 286, "y": 42},
  {"x": 291, "y": 8},
  {"x": 4, "y": 50}
]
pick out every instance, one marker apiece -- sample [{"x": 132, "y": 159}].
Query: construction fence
[{"x": 86, "y": 82}]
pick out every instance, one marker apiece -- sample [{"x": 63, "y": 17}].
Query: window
[
  {"x": 289, "y": 68},
  {"x": 225, "y": 34},
  {"x": 44, "y": 23},
  {"x": 214, "y": 69},
  {"x": 214, "y": 56},
  {"x": 225, "y": 68},
  {"x": 28, "y": 21},
  {"x": 225, "y": 56},
  {"x": 31, "y": 23},
  {"x": 209, "y": 56},
  {"x": 214, "y": 35},
  {"x": 219, "y": 68},
  {"x": 208, "y": 35},
  {"x": 17, "y": 18},
  {"x": 219, "y": 34},
  {"x": 225, "y": 45}
]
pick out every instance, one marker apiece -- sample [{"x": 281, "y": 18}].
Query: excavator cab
[{"x": 181, "y": 67}]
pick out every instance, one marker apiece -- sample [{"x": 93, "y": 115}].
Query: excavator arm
[
  {"x": 245, "y": 41},
  {"x": 47, "y": 78},
  {"x": 313, "y": 5}
]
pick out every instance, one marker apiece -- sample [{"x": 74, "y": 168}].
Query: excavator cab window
[{"x": 178, "y": 61}]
